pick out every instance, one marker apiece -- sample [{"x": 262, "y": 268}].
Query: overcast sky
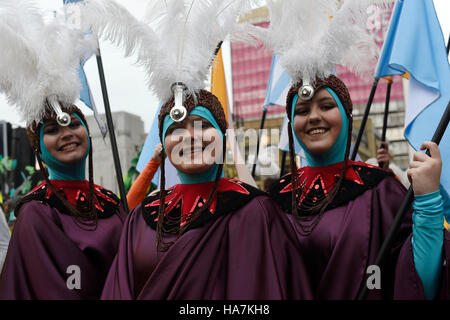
[{"x": 126, "y": 83}]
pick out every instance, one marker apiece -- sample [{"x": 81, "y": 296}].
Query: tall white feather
[
  {"x": 189, "y": 32},
  {"x": 110, "y": 21},
  {"x": 176, "y": 40},
  {"x": 38, "y": 59},
  {"x": 312, "y": 36}
]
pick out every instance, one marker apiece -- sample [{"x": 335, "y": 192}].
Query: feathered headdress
[
  {"x": 39, "y": 61},
  {"x": 176, "y": 41},
  {"x": 312, "y": 36}
]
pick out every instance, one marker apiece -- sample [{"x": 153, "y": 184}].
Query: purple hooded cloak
[
  {"x": 245, "y": 249},
  {"x": 48, "y": 249},
  {"x": 348, "y": 237}
]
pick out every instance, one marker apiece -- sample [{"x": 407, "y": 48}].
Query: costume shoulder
[
  {"x": 359, "y": 177},
  {"x": 106, "y": 202},
  {"x": 232, "y": 195},
  {"x": 39, "y": 193}
]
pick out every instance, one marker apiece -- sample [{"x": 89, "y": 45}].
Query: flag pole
[
  {"x": 448, "y": 44},
  {"x": 386, "y": 113},
  {"x": 219, "y": 45},
  {"x": 393, "y": 231},
  {"x": 123, "y": 196},
  {"x": 364, "y": 120},
  {"x": 263, "y": 119},
  {"x": 283, "y": 163}
]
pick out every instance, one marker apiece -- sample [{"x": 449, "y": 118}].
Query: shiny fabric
[
  {"x": 347, "y": 240},
  {"x": 182, "y": 200},
  {"x": 45, "y": 242},
  {"x": 427, "y": 240},
  {"x": 251, "y": 253}
]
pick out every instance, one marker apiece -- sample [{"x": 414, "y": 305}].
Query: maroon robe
[
  {"x": 46, "y": 241},
  {"x": 243, "y": 248},
  {"x": 348, "y": 237}
]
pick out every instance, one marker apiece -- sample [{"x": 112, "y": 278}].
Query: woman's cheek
[
  {"x": 49, "y": 142},
  {"x": 213, "y": 146},
  {"x": 299, "y": 123}
]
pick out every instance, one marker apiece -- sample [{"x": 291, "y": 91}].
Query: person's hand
[
  {"x": 157, "y": 155},
  {"x": 424, "y": 171},
  {"x": 383, "y": 155}
]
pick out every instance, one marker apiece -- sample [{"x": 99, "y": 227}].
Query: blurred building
[
  {"x": 130, "y": 136},
  {"x": 250, "y": 74}
]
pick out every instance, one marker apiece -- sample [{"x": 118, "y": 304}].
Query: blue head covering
[
  {"x": 63, "y": 171},
  {"x": 209, "y": 174},
  {"x": 337, "y": 151}
]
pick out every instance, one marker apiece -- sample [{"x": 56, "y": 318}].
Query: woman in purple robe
[
  {"x": 68, "y": 229},
  {"x": 342, "y": 210},
  {"x": 208, "y": 237}
]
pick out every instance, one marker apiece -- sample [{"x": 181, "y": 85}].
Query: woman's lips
[
  {"x": 317, "y": 131},
  {"x": 192, "y": 151},
  {"x": 68, "y": 147}
]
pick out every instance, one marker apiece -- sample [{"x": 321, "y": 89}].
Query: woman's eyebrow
[
  {"x": 326, "y": 99},
  {"x": 175, "y": 126},
  {"x": 302, "y": 103},
  {"x": 49, "y": 123}
]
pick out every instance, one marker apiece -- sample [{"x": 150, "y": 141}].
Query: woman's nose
[
  {"x": 66, "y": 132},
  {"x": 314, "y": 114},
  {"x": 195, "y": 129}
]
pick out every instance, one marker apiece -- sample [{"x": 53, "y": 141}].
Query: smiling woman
[
  {"x": 66, "y": 144},
  {"x": 67, "y": 229},
  {"x": 318, "y": 122},
  {"x": 208, "y": 237},
  {"x": 193, "y": 145},
  {"x": 66, "y": 220},
  {"x": 342, "y": 209}
]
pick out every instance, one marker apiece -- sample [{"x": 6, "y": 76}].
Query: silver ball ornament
[
  {"x": 306, "y": 92},
  {"x": 63, "y": 119},
  {"x": 178, "y": 113}
]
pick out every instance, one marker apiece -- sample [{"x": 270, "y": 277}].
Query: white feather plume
[
  {"x": 176, "y": 40},
  {"x": 38, "y": 59},
  {"x": 189, "y": 32},
  {"x": 110, "y": 21},
  {"x": 312, "y": 36}
]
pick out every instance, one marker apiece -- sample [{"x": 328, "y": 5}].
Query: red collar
[
  {"x": 325, "y": 178},
  {"x": 77, "y": 192},
  {"x": 191, "y": 196}
]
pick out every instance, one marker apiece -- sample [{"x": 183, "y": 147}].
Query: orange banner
[{"x": 218, "y": 82}]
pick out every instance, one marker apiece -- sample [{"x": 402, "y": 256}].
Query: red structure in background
[
  {"x": 359, "y": 87},
  {"x": 251, "y": 69}
]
